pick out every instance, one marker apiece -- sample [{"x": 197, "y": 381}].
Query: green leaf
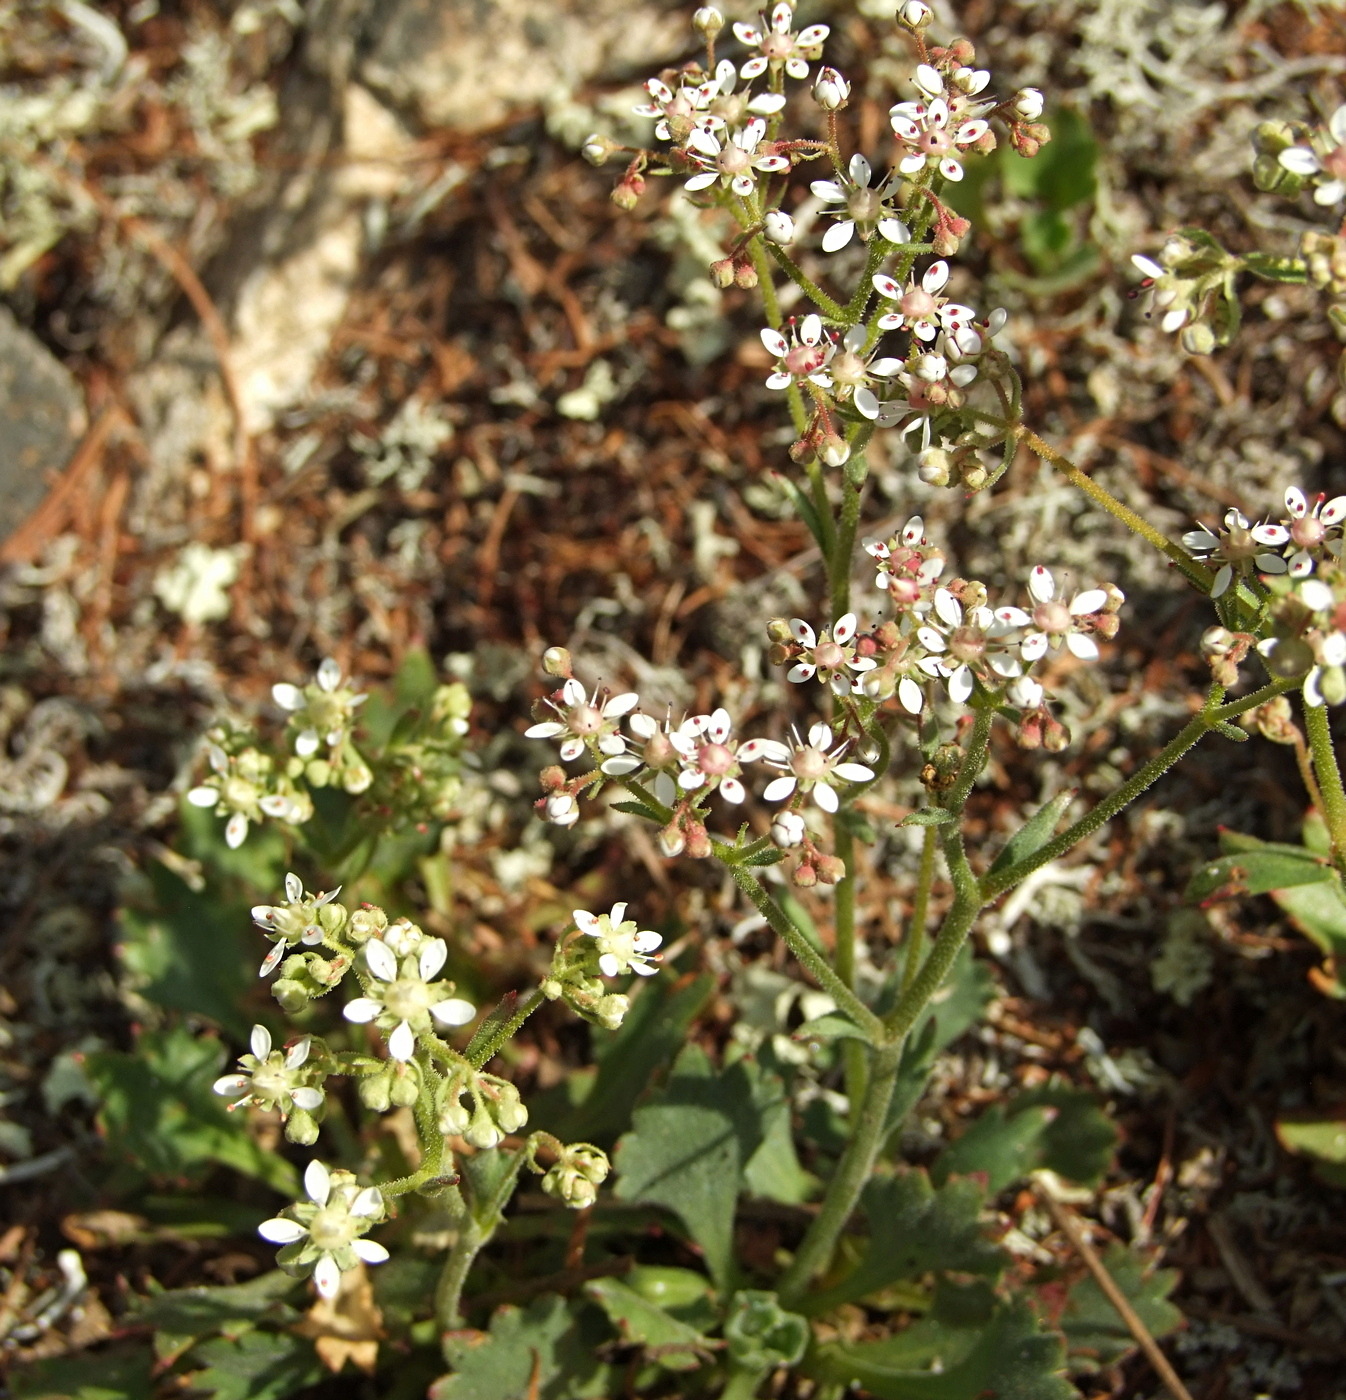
[
  {"x": 1034, "y": 833},
  {"x": 259, "y": 863},
  {"x": 551, "y": 1340},
  {"x": 1095, "y": 1335},
  {"x": 1002, "y": 1356},
  {"x": 197, "y": 1312},
  {"x": 761, "y": 1334},
  {"x": 687, "y": 1151},
  {"x": 1055, "y": 1126},
  {"x": 914, "y": 1229},
  {"x": 192, "y": 952},
  {"x": 1272, "y": 268},
  {"x": 256, "y": 1366},
  {"x": 927, "y": 816},
  {"x": 1255, "y": 867},
  {"x": 773, "y": 1170},
  {"x": 102, "y": 1375},
  {"x": 683, "y": 1293},
  {"x": 804, "y": 509},
  {"x": 158, "y": 1109},
  {"x": 1323, "y": 1139},
  {"x": 670, "y": 1343},
  {"x": 832, "y": 1026},
  {"x": 638, "y": 809}
]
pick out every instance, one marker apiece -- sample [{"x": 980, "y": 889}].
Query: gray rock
[
  {"x": 42, "y": 419},
  {"x": 466, "y": 64}
]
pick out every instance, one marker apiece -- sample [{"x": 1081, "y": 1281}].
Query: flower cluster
[
  {"x": 323, "y": 1236},
  {"x": 288, "y": 1082},
  {"x": 245, "y": 784},
  {"x": 322, "y": 718}
]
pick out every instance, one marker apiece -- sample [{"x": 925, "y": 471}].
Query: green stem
[
  {"x": 833, "y": 310},
  {"x": 920, "y": 906},
  {"x": 1208, "y": 718},
  {"x": 853, "y": 1171},
  {"x": 844, "y": 924},
  {"x": 1198, "y": 573},
  {"x": 742, "y": 1384},
  {"x": 807, "y": 955},
  {"x": 823, "y": 509},
  {"x": 1319, "y": 729},
  {"x": 843, "y": 548},
  {"x": 482, "y": 1053},
  {"x": 452, "y": 1277}
]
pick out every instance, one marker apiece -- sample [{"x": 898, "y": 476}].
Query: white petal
[
  {"x": 402, "y": 1042},
  {"x": 950, "y": 169},
  {"x": 609, "y": 965},
  {"x": 1147, "y": 265},
  {"x": 1034, "y": 646},
  {"x": 362, "y": 1010},
  {"x": 203, "y": 796},
  {"x": 820, "y": 737},
  {"x": 838, "y": 236},
  {"x": 1222, "y": 581},
  {"x": 960, "y": 685},
  {"x": 329, "y": 674},
  {"x": 271, "y": 960},
  {"x": 828, "y": 191},
  {"x": 433, "y": 957},
  {"x": 327, "y": 1276},
  {"x": 928, "y": 79},
  {"x": 1335, "y": 509},
  {"x": 800, "y": 672},
  {"x": 775, "y": 342},
  {"x": 260, "y": 1041},
  {"x": 230, "y": 1086},
  {"x": 548, "y": 729},
  {"x": 317, "y": 1182},
  {"x": 1083, "y": 647},
  {"x": 585, "y": 921},
  {"x": 370, "y": 1251},
  {"x": 802, "y": 632},
  {"x": 621, "y": 704},
  {"x": 936, "y": 275},
  {"x": 1295, "y": 503},
  {"x": 236, "y": 832},
  {"x": 853, "y": 772},
  {"x": 288, "y": 697},
  {"x": 310, "y": 1100},
  {"x": 1089, "y": 601},
  {"x": 571, "y": 749},
  {"x": 453, "y": 1011},
  {"x": 732, "y": 790},
  {"x": 368, "y": 1204},
  {"x": 778, "y": 789},
  {"x": 281, "y": 1231},
  {"x": 1299, "y": 160},
  {"x": 825, "y": 797},
  {"x": 947, "y": 608},
  {"x": 811, "y": 329},
  {"x": 381, "y": 960},
  {"x": 844, "y": 629},
  {"x": 894, "y": 230},
  {"x": 910, "y": 696}
]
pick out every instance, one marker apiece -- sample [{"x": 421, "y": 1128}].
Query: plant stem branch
[
  {"x": 1318, "y": 726},
  {"x": 806, "y": 953},
  {"x": 833, "y": 310},
  {"x": 920, "y": 905},
  {"x": 853, "y": 1053}
]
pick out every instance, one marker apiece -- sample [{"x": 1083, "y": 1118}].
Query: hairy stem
[
  {"x": 843, "y": 1190},
  {"x": 1319, "y": 729},
  {"x": 920, "y": 905},
  {"x": 833, "y": 310},
  {"x": 807, "y": 955},
  {"x": 452, "y": 1277},
  {"x": 482, "y": 1053},
  {"x": 1198, "y": 573},
  {"x": 844, "y": 924}
]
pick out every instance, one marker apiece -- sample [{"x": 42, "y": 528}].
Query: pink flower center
[
  {"x": 585, "y": 719},
  {"x": 714, "y": 760},
  {"x": 828, "y": 655},
  {"x": 1052, "y": 617},
  {"x": 809, "y": 764},
  {"x": 803, "y": 360},
  {"x": 1308, "y": 532},
  {"x": 935, "y": 141},
  {"x": 917, "y": 304},
  {"x": 967, "y": 643}
]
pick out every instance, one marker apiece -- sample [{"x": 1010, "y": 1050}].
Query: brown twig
[{"x": 1070, "y": 1227}]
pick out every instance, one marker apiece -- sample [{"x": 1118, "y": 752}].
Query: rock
[
  {"x": 41, "y": 421},
  {"x": 466, "y": 64}
]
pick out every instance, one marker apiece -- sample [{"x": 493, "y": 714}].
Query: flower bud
[
  {"x": 1055, "y": 736},
  {"x": 562, "y": 809},
  {"x": 932, "y": 466},
  {"x": 830, "y": 90},
  {"x": 778, "y": 630},
  {"x": 1028, "y": 104},
  {"x": 405, "y": 1088},
  {"x": 611, "y": 1010},
  {"x": 556, "y": 661},
  {"x": 671, "y": 840},
  {"x": 722, "y": 273},
  {"x": 293, "y": 996},
  {"x": 376, "y": 1091},
  {"x": 367, "y": 922},
  {"x": 787, "y": 829},
  {"x": 914, "y": 14},
  {"x": 830, "y": 869},
  {"x": 454, "y": 1118},
  {"x": 698, "y": 841},
  {"x": 1198, "y": 338},
  {"x": 708, "y": 21},
  {"x": 1332, "y": 684},
  {"x": 1029, "y": 733},
  {"x": 482, "y": 1131},
  {"x": 745, "y": 275},
  {"x": 301, "y": 1127},
  {"x": 598, "y": 149},
  {"x": 805, "y": 875},
  {"x": 834, "y": 450},
  {"x": 778, "y": 227},
  {"x": 627, "y": 193},
  {"x": 552, "y": 778}
]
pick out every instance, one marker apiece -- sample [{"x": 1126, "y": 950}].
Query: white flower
[
  {"x": 1054, "y": 621},
  {"x": 778, "y": 227},
  {"x": 930, "y": 132},
  {"x": 777, "y": 46},
  {"x": 296, "y": 921},
  {"x": 1027, "y": 104},
  {"x": 964, "y": 644},
  {"x": 920, "y": 309},
  {"x": 247, "y": 786},
  {"x": 850, "y": 371},
  {"x": 828, "y": 657},
  {"x": 1324, "y": 160},
  {"x": 733, "y": 162},
  {"x": 407, "y": 1004},
  {"x": 810, "y": 767},
  {"x": 323, "y": 1234},
  {"x": 1238, "y": 547},
  {"x": 324, "y": 710},
  {"x": 708, "y": 758},
  {"x": 1311, "y": 529},
  {"x": 584, "y": 722},
  {"x": 622, "y": 947},
  {"x": 677, "y": 113},
  {"x": 830, "y": 90},
  {"x": 270, "y": 1079},
  {"x": 863, "y": 208},
  {"x": 803, "y": 356}
]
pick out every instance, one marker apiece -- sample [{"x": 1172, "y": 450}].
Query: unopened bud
[
  {"x": 598, "y": 149},
  {"x": 778, "y": 630},
  {"x": 553, "y": 779},
  {"x": 671, "y": 840},
  {"x": 708, "y": 21},
  {"x": 805, "y": 875},
  {"x": 562, "y": 810},
  {"x": 301, "y": 1127},
  {"x": 1029, "y": 733},
  {"x": 1028, "y": 104},
  {"x": 1197, "y": 338},
  {"x": 611, "y": 1010},
  {"x": 556, "y": 661},
  {"x": 698, "y": 841},
  {"x": 834, "y": 450},
  {"x": 779, "y": 227},
  {"x": 745, "y": 275},
  {"x": 627, "y": 194},
  {"x": 914, "y": 14},
  {"x": 722, "y": 273},
  {"x": 830, "y": 869},
  {"x": 974, "y": 476},
  {"x": 787, "y": 829},
  {"x": 1055, "y": 736},
  {"x": 830, "y": 90},
  {"x": 932, "y": 466}
]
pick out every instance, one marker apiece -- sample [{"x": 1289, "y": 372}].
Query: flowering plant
[{"x": 918, "y": 674}]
